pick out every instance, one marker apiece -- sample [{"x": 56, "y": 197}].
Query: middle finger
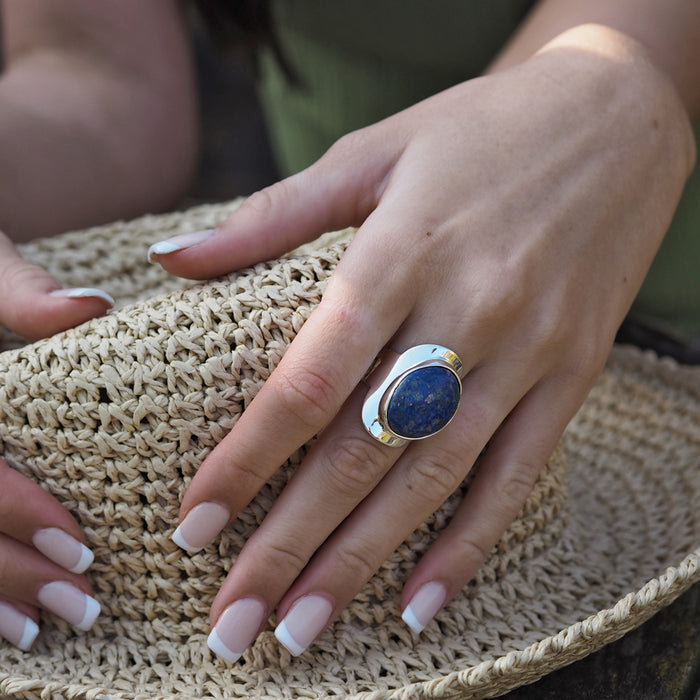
[{"x": 344, "y": 465}]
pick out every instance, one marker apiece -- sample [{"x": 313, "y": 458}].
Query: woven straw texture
[{"x": 115, "y": 416}]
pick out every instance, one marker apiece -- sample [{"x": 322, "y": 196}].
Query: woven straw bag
[{"x": 114, "y": 417}]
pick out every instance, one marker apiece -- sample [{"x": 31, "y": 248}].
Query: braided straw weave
[{"x": 114, "y": 417}]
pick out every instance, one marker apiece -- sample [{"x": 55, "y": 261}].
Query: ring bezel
[{"x": 375, "y": 406}]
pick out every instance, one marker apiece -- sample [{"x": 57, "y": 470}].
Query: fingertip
[
  {"x": 184, "y": 241},
  {"x": 424, "y": 605},
  {"x": 46, "y": 313},
  {"x": 29, "y": 635},
  {"x": 83, "y": 293},
  {"x": 63, "y": 549},
  {"x": 16, "y": 627}
]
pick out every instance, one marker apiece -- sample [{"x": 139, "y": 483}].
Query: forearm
[
  {"x": 86, "y": 134},
  {"x": 668, "y": 30}
]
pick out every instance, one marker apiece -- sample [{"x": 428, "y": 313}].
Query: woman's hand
[
  {"x": 512, "y": 219},
  {"x": 34, "y": 305},
  {"x": 42, "y": 554},
  {"x": 41, "y": 546}
]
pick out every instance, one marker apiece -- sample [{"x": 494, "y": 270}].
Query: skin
[
  {"x": 84, "y": 90},
  {"x": 557, "y": 179},
  {"x": 541, "y": 231}
]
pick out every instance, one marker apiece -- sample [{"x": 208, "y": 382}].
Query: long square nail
[
  {"x": 184, "y": 240},
  {"x": 83, "y": 293},
  {"x": 426, "y": 601},
  {"x": 64, "y": 550},
  {"x": 306, "y": 619},
  {"x": 200, "y": 526},
  {"x": 236, "y": 628},
  {"x": 17, "y": 628},
  {"x": 70, "y": 603}
]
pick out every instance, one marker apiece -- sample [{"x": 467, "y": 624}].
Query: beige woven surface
[{"x": 115, "y": 416}]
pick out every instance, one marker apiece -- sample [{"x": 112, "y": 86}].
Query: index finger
[{"x": 328, "y": 358}]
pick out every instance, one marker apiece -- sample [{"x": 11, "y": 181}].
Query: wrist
[{"x": 608, "y": 65}]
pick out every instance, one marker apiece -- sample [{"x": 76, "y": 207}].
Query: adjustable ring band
[{"x": 412, "y": 395}]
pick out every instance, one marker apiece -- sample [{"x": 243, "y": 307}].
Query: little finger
[{"x": 503, "y": 480}]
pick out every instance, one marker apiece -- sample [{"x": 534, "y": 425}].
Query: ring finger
[
  {"x": 414, "y": 488},
  {"x": 348, "y": 463}
]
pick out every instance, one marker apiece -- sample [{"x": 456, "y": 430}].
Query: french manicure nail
[
  {"x": 200, "y": 526},
  {"x": 17, "y": 628},
  {"x": 304, "y": 622},
  {"x": 83, "y": 293},
  {"x": 63, "y": 549},
  {"x": 426, "y": 601},
  {"x": 70, "y": 603},
  {"x": 236, "y": 628},
  {"x": 184, "y": 240}
]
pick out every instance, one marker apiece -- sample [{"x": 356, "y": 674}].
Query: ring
[{"x": 412, "y": 395}]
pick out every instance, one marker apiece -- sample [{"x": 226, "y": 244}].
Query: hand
[
  {"x": 33, "y": 304},
  {"x": 42, "y": 550},
  {"x": 511, "y": 218},
  {"x": 42, "y": 554}
]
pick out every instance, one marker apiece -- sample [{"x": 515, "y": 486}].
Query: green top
[{"x": 361, "y": 61}]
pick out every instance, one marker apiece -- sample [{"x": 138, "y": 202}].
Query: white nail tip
[
  {"x": 92, "y": 612},
  {"x": 286, "y": 639},
  {"x": 181, "y": 542},
  {"x": 185, "y": 240},
  {"x": 162, "y": 248},
  {"x": 86, "y": 559},
  {"x": 409, "y": 617},
  {"x": 83, "y": 293},
  {"x": 220, "y": 649},
  {"x": 31, "y": 631}
]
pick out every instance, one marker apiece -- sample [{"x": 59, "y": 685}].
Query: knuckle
[
  {"x": 360, "y": 560},
  {"x": 263, "y": 202},
  {"x": 353, "y": 466},
  {"x": 516, "y": 485},
  {"x": 472, "y": 551},
  {"x": 283, "y": 559},
  {"x": 351, "y": 143},
  {"x": 436, "y": 474},
  {"x": 306, "y": 394}
]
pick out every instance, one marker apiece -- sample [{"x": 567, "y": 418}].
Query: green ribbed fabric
[
  {"x": 361, "y": 61},
  {"x": 670, "y": 296}
]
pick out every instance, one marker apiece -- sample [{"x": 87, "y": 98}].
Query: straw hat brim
[{"x": 114, "y": 417}]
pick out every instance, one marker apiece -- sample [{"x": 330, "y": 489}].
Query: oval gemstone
[{"x": 424, "y": 402}]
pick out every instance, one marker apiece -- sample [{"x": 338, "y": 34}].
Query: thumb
[
  {"x": 341, "y": 189},
  {"x": 32, "y": 303}
]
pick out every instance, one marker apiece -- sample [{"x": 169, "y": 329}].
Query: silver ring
[{"x": 412, "y": 395}]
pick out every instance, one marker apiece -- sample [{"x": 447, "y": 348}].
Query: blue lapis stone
[{"x": 424, "y": 402}]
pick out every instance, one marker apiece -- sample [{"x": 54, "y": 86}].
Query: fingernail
[
  {"x": 427, "y": 600},
  {"x": 305, "y": 620},
  {"x": 236, "y": 628},
  {"x": 63, "y": 549},
  {"x": 17, "y": 628},
  {"x": 82, "y": 293},
  {"x": 70, "y": 603},
  {"x": 185, "y": 240},
  {"x": 201, "y": 525}
]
